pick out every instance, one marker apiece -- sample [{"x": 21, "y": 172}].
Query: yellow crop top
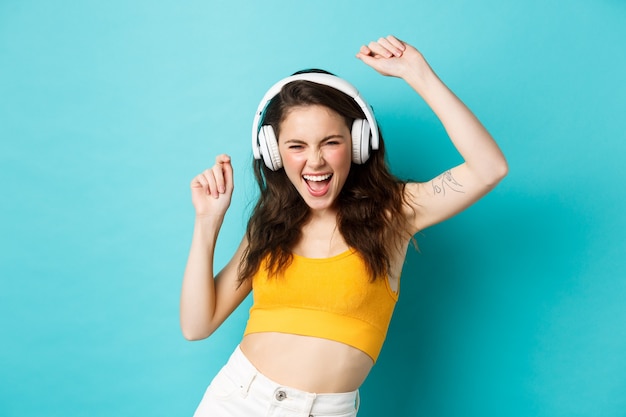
[{"x": 330, "y": 298}]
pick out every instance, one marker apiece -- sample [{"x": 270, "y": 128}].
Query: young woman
[{"x": 326, "y": 242}]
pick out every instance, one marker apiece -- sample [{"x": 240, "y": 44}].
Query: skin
[
  {"x": 316, "y": 142},
  {"x": 308, "y": 363}
]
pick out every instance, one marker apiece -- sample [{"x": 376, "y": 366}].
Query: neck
[
  {"x": 324, "y": 215},
  {"x": 320, "y": 236}
]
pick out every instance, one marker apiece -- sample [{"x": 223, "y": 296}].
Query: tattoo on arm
[{"x": 446, "y": 182}]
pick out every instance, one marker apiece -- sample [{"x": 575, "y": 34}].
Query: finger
[
  {"x": 396, "y": 42},
  {"x": 365, "y": 50},
  {"x": 222, "y": 158},
  {"x": 379, "y": 50},
  {"x": 390, "y": 46},
  {"x": 367, "y": 59},
  {"x": 221, "y": 162},
  {"x": 229, "y": 182},
  {"x": 218, "y": 175},
  {"x": 212, "y": 187},
  {"x": 199, "y": 182}
]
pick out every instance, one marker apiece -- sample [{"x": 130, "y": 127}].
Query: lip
[{"x": 321, "y": 177}]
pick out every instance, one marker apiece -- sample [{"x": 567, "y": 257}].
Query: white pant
[{"x": 239, "y": 389}]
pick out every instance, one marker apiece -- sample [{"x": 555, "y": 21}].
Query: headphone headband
[{"x": 318, "y": 78}]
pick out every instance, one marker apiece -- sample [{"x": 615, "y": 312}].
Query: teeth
[{"x": 317, "y": 177}]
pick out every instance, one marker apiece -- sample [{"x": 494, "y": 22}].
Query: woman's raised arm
[
  {"x": 207, "y": 300},
  {"x": 484, "y": 164}
]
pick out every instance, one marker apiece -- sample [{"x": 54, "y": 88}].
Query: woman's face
[{"x": 315, "y": 145}]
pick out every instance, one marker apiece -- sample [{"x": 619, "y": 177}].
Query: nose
[{"x": 316, "y": 158}]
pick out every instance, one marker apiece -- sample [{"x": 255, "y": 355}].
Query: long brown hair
[{"x": 370, "y": 202}]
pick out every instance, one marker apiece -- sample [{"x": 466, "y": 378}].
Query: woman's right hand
[{"x": 211, "y": 191}]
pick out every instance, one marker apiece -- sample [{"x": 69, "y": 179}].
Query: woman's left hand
[{"x": 394, "y": 58}]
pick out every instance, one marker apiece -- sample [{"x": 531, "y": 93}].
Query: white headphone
[{"x": 364, "y": 131}]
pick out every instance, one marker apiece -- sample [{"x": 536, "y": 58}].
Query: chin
[{"x": 319, "y": 204}]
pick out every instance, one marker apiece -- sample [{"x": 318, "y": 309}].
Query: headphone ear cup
[
  {"x": 361, "y": 135},
  {"x": 268, "y": 146}
]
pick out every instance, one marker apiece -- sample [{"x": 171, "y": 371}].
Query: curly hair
[{"x": 370, "y": 204}]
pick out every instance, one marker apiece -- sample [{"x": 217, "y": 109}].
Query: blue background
[{"x": 108, "y": 109}]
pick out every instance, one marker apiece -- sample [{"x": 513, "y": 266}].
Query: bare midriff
[{"x": 307, "y": 363}]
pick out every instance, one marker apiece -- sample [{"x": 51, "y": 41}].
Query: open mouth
[{"x": 318, "y": 184}]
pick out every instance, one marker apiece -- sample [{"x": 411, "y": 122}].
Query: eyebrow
[{"x": 323, "y": 139}]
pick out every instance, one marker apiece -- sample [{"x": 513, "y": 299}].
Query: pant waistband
[{"x": 251, "y": 380}]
